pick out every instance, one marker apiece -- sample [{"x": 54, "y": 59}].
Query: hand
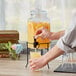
[
  {"x": 43, "y": 33},
  {"x": 37, "y": 63}
]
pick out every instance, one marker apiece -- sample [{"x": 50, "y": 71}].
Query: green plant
[{"x": 12, "y": 52}]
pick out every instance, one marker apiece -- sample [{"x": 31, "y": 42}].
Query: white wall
[
  {"x": 15, "y": 14},
  {"x": 2, "y": 14}
]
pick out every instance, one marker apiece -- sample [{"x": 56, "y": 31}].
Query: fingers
[
  {"x": 33, "y": 64},
  {"x": 39, "y": 31},
  {"x": 30, "y": 60},
  {"x": 34, "y": 68},
  {"x": 39, "y": 35},
  {"x": 42, "y": 32}
]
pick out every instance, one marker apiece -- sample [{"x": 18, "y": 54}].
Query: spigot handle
[{"x": 35, "y": 44}]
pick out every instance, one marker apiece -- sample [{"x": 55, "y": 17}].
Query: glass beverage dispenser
[{"x": 37, "y": 20}]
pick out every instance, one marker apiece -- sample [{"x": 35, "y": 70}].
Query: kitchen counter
[{"x": 10, "y": 67}]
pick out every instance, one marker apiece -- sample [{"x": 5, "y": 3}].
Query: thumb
[
  {"x": 30, "y": 60},
  {"x": 39, "y": 35}
]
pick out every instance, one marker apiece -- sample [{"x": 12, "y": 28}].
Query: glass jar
[{"x": 37, "y": 20}]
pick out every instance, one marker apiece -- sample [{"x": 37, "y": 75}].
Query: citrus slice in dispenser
[
  {"x": 39, "y": 25},
  {"x": 46, "y": 25}
]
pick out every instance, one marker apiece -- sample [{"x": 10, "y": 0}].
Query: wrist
[
  {"x": 46, "y": 58},
  {"x": 51, "y": 36}
]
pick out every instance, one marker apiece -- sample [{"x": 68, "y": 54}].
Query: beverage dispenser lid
[{"x": 38, "y": 8}]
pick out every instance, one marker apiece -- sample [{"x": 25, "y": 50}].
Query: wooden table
[{"x": 17, "y": 68}]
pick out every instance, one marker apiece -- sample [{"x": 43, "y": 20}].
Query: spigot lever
[{"x": 35, "y": 44}]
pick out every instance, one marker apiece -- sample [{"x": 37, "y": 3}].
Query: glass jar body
[{"x": 36, "y": 21}]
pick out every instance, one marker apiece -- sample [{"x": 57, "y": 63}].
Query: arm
[
  {"x": 43, "y": 60},
  {"x": 67, "y": 43},
  {"x": 53, "y": 53},
  {"x": 44, "y": 33},
  {"x": 56, "y": 35}
]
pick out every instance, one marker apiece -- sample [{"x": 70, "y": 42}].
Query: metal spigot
[{"x": 35, "y": 44}]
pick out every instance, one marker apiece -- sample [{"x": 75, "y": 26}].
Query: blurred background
[{"x": 14, "y": 14}]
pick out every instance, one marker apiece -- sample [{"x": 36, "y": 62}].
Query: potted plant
[{"x": 14, "y": 50}]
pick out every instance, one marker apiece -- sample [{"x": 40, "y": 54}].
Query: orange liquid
[
  {"x": 32, "y": 28},
  {"x": 35, "y": 55}
]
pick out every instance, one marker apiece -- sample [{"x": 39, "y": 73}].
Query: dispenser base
[{"x": 66, "y": 68}]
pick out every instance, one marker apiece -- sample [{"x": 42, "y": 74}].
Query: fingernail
[{"x": 35, "y": 37}]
